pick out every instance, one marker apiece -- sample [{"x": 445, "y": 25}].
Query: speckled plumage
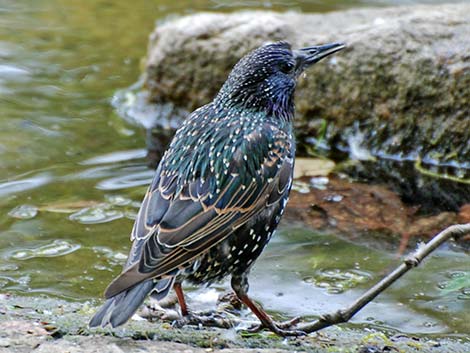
[{"x": 220, "y": 188}]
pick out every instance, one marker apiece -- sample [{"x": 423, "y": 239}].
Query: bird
[{"x": 219, "y": 190}]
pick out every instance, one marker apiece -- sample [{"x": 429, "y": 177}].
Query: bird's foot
[
  {"x": 156, "y": 312},
  {"x": 184, "y": 320},
  {"x": 229, "y": 302},
  {"x": 284, "y": 328},
  {"x": 207, "y": 319}
]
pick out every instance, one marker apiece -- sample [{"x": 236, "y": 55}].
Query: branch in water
[{"x": 411, "y": 261}]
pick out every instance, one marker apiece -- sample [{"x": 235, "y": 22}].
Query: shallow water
[{"x": 72, "y": 174}]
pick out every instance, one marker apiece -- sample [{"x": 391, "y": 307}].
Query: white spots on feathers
[{"x": 223, "y": 141}]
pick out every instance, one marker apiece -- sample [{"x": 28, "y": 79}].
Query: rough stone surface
[
  {"x": 405, "y": 67},
  {"x": 46, "y": 325},
  {"x": 400, "y": 91}
]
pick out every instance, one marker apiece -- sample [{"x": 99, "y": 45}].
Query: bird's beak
[{"x": 310, "y": 55}]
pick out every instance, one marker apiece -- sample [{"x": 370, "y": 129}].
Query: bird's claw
[
  {"x": 284, "y": 328},
  {"x": 209, "y": 319},
  {"x": 190, "y": 319},
  {"x": 181, "y": 322}
]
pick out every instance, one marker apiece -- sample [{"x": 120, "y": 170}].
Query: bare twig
[{"x": 411, "y": 261}]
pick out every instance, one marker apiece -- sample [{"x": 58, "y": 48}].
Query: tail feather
[
  {"x": 119, "y": 308},
  {"x": 162, "y": 288}
]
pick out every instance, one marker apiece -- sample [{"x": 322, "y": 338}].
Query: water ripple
[
  {"x": 24, "y": 212},
  {"x": 337, "y": 280},
  {"x": 15, "y": 186},
  {"x": 54, "y": 249},
  {"x": 118, "y": 156},
  {"x": 13, "y": 71},
  {"x": 97, "y": 214},
  {"x": 127, "y": 181}
]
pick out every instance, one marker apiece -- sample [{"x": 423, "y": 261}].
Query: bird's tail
[{"x": 118, "y": 309}]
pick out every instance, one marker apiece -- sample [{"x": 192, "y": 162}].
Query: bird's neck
[{"x": 280, "y": 107}]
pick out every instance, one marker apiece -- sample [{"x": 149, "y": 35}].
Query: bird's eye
[{"x": 287, "y": 67}]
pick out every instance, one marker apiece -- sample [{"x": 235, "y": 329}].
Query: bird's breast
[{"x": 238, "y": 252}]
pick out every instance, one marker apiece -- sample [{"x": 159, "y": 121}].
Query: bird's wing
[{"x": 179, "y": 220}]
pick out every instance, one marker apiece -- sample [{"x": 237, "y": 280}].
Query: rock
[
  {"x": 25, "y": 333},
  {"x": 399, "y": 93},
  {"x": 312, "y": 167}
]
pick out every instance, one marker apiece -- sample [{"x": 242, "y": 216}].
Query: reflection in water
[
  {"x": 56, "y": 248},
  {"x": 24, "y": 212},
  {"x": 95, "y": 215},
  {"x": 115, "y": 177},
  {"x": 17, "y": 186},
  {"x": 134, "y": 178},
  {"x": 337, "y": 281},
  {"x": 10, "y": 71},
  {"x": 118, "y": 156}
]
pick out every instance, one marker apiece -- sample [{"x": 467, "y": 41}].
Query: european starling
[{"x": 220, "y": 189}]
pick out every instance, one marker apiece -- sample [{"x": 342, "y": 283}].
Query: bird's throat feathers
[{"x": 276, "y": 101}]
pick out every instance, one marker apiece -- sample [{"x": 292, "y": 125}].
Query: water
[{"x": 72, "y": 174}]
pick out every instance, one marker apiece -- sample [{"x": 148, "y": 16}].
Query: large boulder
[{"x": 400, "y": 92}]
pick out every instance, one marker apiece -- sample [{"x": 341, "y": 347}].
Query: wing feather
[{"x": 180, "y": 219}]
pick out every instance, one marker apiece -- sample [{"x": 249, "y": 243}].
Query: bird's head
[{"x": 265, "y": 79}]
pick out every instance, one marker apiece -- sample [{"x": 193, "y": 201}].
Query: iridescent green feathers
[
  {"x": 220, "y": 189},
  {"x": 223, "y": 167}
]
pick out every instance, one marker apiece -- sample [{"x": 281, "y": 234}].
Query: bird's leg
[
  {"x": 187, "y": 318},
  {"x": 181, "y": 301},
  {"x": 190, "y": 318},
  {"x": 405, "y": 239},
  {"x": 240, "y": 287}
]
